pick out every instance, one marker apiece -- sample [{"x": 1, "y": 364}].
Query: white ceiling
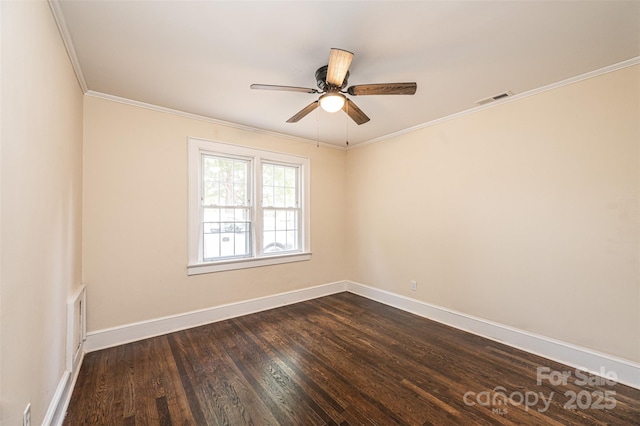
[{"x": 201, "y": 56}]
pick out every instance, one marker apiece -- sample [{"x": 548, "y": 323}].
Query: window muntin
[{"x": 247, "y": 207}]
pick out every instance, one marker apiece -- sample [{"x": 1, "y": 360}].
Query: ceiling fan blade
[
  {"x": 303, "y": 112},
  {"x": 283, "y": 88},
  {"x": 339, "y": 63},
  {"x": 355, "y": 113},
  {"x": 383, "y": 89}
]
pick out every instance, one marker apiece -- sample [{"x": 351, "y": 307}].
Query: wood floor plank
[
  {"x": 360, "y": 361},
  {"x": 146, "y": 386},
  {"x": 278, "y": 391},
  {"x": 126, "y": 369},
  {"x": 244, "y": 403},
  {"x": 209, "y": 395},
  {"x": 320, "y": 400},
  {"x": 351, "y": 379},
  {"x": 391, "y": 360},
  {"x": 302, "y": 387},
  {"x": 376, "y": 351},
  {"x": 335, "y": 390},
  {"x": 336, "y": 360}
]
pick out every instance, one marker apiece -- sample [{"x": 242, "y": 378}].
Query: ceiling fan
[{"x": 331, "y": 80}]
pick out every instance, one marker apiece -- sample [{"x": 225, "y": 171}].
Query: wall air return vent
[
  {"x": 76, "y": 328},
  {"x": 495, "y": 97}
]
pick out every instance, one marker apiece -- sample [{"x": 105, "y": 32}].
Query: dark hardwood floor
[{"x": 340, "y": 359}]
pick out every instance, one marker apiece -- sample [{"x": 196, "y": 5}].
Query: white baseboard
[
  {"x": 106, "y": 338},
  {"x": 58, "y": 396},
  {"x": 61, "y": 398},
  {"x": 628, "y": 372}
]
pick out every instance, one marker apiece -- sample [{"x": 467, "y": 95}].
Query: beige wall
[
  {"x": 41, "y": 178},
  {"x": 525, "y": 214},
  {"x": 135, "y": 217}
]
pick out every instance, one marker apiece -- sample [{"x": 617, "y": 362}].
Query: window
[
  {"x": 247, "y": 207},
  {"x": 226, "y": 214},
  {"x": 280, "y": 207}
]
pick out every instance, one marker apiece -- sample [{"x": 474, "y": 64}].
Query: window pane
[
  {"x": 211, "y": 168},
  {"x": 210, "y": 177},
  {"x": 278, "y": 176},
  {"x": 243, "y": 241},
  {"x": 290, "y": 197},
  {"x": 212, "y": 193},
  {"x": 240, "y": 195},
  {"x": 225, "y": 181},
  {"x": 227, "y": 215},
  {"x": 211, "y": 249},
  {"x": 225, "y": 194},
  {"x": 280, "y": 230},
  {"x": 235, "y": 239},
  {"x": 242, "y": 215},
  {"x": 290, "y": 177},
  {"x": 268, "y": 242},
  {"x": 267, "y": 196},
  {"x": 226, "y": 170},
  {"x": 226, "y": 233},
  {"x": 279, "y": 186},
  {"x": 211, "y": 215},
  {"x": 211, "y": 228},
  {"x": 227, "y": 239},
  {"x": 292, "y": 222},
  {"x": 269, "y": 220},
  {"x": 281, "y": 220},
  {"x": 267, "y": 174},
  {"x": 240, "y": 171},
  {"x": 278, "y": 196},
  {"x": 292, "y": 240},
  {"x": 281, "y": 240}
]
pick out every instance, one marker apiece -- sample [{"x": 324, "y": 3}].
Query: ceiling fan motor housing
[{"x": 321, "y": 80}]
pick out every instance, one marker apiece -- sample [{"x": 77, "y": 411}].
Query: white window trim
[{"x": 195, "y": 148}]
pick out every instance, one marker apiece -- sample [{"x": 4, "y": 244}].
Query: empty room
[{"x": 319, "y": 212}]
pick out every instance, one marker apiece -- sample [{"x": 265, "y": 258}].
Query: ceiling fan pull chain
[
  {"x": 347, "y": 120},
  {"x": 318, "y": 128}
]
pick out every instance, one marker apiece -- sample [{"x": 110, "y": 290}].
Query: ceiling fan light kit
[
  {"x": 331, "y": 80},
  {"x": 332, "y": 102}
]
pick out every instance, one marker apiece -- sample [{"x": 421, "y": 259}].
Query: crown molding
[
  {"x": 68, "y": 43},
  {"x": 58, "y": 16},
  {"x": 198, "y": 117},
  {"x": 552, "y": 86}
]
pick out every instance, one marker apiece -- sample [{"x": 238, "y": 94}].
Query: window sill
[{"x": 230, "y": 265}]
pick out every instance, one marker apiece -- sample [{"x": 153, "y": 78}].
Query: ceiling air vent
[{"x": 495, "y": 97}]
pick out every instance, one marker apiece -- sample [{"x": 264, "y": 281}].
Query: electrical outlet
[
  {"x": 414, "y": 285},
  {"x": 26, "y": 416}
]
